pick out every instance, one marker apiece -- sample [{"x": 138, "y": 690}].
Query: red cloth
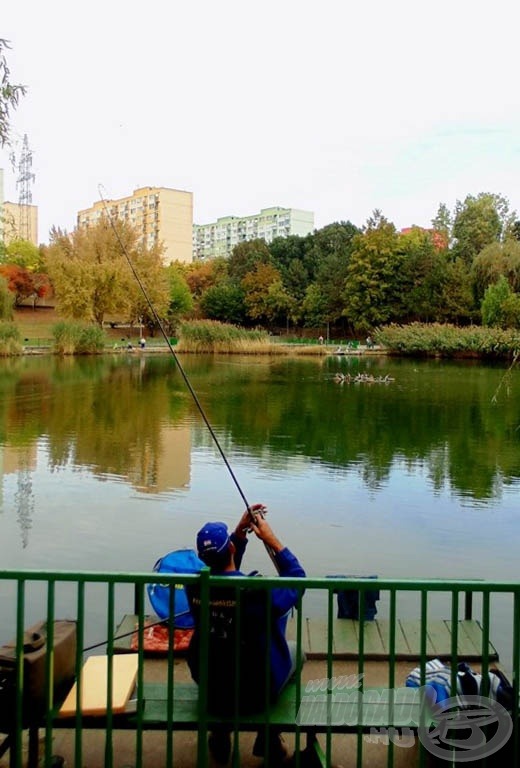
[{"x": 157, "y": 639}]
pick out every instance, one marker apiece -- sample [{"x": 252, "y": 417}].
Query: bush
[
  {"x": 10, "y": 340},
  {"x": 78, "y": 339}
]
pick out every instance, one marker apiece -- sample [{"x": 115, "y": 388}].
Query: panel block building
[
  {"x": 18, "y": 222},
  {"x": 220, "y": 237},
  {"x": 160, "y": 214}
]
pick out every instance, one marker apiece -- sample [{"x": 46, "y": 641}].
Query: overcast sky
[{"x": 337, "y": 107}]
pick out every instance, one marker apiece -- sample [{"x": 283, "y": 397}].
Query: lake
[{"x": 107, "y": 464}]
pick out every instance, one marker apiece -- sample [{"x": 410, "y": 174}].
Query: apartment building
[
  {"x": 160, "y": 214},
  {"x": 19, "y": 222},
  {"x": 220, "y": 237}
]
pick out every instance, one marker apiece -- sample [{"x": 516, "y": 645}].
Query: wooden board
[
  {"x": 377, "y": 639},
  {"x": 94, "y": 676}
]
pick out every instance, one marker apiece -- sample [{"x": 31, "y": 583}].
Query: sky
[{"x": 336, "y": 107}]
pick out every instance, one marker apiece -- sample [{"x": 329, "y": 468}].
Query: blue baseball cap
[{"x": 212, "y": 539}]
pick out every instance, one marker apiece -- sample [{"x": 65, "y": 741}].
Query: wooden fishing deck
[{"x": 345, "y": 639}]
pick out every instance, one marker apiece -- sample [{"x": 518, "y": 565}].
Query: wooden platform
[{"x": 345, "y": 643}]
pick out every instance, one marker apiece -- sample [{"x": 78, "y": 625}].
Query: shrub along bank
[
  {"x": 208, "y": 336},
  {"x": 213, "y": 336},
  {"x": 436, "y": 339},
  {"x": 78, "y": 339},
  {"x": 10, "y": 339}
]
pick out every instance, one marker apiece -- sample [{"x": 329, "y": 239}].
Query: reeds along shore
[
  {"x": 436, "y": 339},
  {"x": 212, "y": 337}
]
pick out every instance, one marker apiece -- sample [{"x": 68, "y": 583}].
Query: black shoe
[
  {"x": 277, "y": 751},
  {"x": 219, "y": 744}
]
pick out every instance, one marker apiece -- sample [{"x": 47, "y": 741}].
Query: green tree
[
  {"x": 296, "y": 279},
  {"x": 291, "y": 256},
  {"x": 456, "y": 301},
  {"x": 24, "y": 254},
  {"x": 514, "y": 231},
  {"x": 91, "y": 275},
  {"x": 443, "y": 223},
  {"x": 153, "y": 276},
  {"x": 371, "y": 291},
  {"x": 493, "y": 261},
  {"x": 334, "y": 240},
  {"x": 331, "y": 247},
  {"x": 281, "y": 305},
  {"x": 479, "y": 221},
  {"x": 315, "y": 307},
  {"x": 245, "y": 257},
  {"x": 511, "y": 311},
  {"x": 225, "y": 302},
  {"x": 9, "y": 95},
  {"x": 260, "y": 303},
  {"x": 181, "y": 300},
  {"x": 422, "y": 275},
  {"x": 495, "y": 297}
]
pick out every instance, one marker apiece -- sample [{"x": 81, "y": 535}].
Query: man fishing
[{"x": 249, "y": 658}]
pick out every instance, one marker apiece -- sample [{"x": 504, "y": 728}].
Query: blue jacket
[{"x": 247, "y": 658}]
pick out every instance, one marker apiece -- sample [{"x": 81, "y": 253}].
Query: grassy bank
[{"x": 36, "y": 329}]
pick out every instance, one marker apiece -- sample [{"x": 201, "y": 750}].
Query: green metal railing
[{"x": 97, "y": 601}]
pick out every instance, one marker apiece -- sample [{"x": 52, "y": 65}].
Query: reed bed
[
  {"x": 436, "y": 339},
  {"x": 202, "y": 336},
  {"x": 78, "y": 339},
  {"x": 10, "y": 339}
]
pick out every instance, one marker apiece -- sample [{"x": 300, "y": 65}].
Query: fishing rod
[
  {"x": 254, "y": 512},
  {"x": 125, "y": 634}
]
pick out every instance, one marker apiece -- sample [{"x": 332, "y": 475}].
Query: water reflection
[
  {"x": 105, "y": 464},
  {"x": 131, "y": 420}
]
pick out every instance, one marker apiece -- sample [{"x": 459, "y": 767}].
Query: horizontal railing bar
[{"x": 320, "y": 583}]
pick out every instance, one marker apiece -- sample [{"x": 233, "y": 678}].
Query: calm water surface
[{"x": 107, "y": 464}]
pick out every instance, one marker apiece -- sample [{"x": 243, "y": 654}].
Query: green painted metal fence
[{"x": 420, "y": 617}]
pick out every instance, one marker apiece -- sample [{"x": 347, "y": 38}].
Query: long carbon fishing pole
[{"x": 178, "y": 363}]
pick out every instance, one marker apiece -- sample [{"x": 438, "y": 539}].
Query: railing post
[
  {"x": 202, "y": 744},
  {"x": 468, "y": 605},
  {"x": 137, "y": 600}
]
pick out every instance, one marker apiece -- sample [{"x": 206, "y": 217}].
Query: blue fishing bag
[{"x": 179, "y": 561}]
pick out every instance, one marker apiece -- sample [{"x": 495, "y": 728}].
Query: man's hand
[
  {"x": 244, "y": 525},
  {"x": 263, "y": 530}
]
